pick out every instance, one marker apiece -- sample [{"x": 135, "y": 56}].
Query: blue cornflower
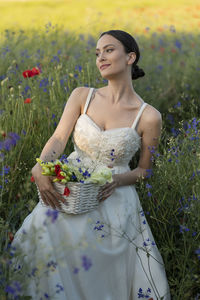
[
  {"x": 52, "y": 264},
  {"x": 55, "y": 58},
  {"x": 175, "y": 132},
  {"x": 76, "y": 270},
  {"x": 178, "y": 104},
  {"x": 14, "y": 136},
  {"x": 140, "y": 293},
  {"x": 149, "y": 194},
  {"x": 149, "y": 173},
  {"x": 85, "y": 173},
  {"x": 8, "y": 144},
  {"x": 198, "y": 253},
  {"x": 5, "y": 171},
  {"x": 148, "y": 186},
  {"x": 86, "y": 262},
  {"x": 79, "y": 68},
  {"x": 33, "y": 272},
  {"x": 178, "y": 44},
  {"x": 60, "y": 288},
  {"x": 99, "y": 227},
  {"x": 53, "y": 214},
  {"x": 74, "y": 177},
  {"x": 183, "y": 228},
  {"x": 160, "y": 67},
  {"x": 13, "y": 289},
  {"x": 170, "y": 118}
]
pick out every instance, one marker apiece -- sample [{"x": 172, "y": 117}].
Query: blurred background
[{"x": 85, "y": 16}]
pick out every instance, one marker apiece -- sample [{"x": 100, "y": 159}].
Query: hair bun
[{"x": 137, "y": 72}]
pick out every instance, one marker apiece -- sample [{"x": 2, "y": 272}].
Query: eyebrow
[{"x": 105, "y": 46}]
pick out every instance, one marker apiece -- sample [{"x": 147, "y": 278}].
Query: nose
[{"x": 101, "y": 56}]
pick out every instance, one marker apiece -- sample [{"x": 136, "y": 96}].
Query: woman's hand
[
  {"x": 108, "y": 188},
  {"x": 49, "y": 195}
]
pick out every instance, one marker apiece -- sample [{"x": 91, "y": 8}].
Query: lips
[{"x": 104, "y": 66}]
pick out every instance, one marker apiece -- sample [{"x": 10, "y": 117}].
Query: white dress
[{"x": 106, "y": 254}]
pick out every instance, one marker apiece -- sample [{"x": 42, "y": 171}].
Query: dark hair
[{"x": 130, "y": 45}]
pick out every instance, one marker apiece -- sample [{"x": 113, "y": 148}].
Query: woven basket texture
[{"x": 82, "y": 197}]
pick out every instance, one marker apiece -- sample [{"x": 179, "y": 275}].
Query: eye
[
  {"x": 97, "y": 54},
  {"x": 109, "y": 50}
]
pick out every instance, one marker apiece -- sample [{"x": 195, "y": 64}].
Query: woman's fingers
[
  {"x": 52, "y": 197},
  {"x": 106, "y": 191}
]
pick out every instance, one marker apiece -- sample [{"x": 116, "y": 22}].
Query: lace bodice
[{"x": 113, "y": 147}]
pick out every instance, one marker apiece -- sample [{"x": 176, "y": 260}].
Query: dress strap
[
  {"x": 88, "y": 100},
  {"x": 138, "y": 115}
]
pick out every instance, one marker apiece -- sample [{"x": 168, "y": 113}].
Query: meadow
[{"x": 64, "y": 57}]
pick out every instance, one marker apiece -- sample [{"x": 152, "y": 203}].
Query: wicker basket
[{"x": 82, "y": 197}]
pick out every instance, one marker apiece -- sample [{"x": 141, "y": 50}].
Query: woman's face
[{"x": 111, "y": 58}]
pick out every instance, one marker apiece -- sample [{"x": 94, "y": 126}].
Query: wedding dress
[{"x": 108, "y": 253}]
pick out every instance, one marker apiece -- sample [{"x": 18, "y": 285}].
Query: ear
[{"x": 131, "y": 58}]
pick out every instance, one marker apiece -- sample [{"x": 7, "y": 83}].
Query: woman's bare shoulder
[
  {"x": 151, "y": 115},
  {"x": 81, "y": 91}
]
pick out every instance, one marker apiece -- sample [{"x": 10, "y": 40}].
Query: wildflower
[
  {"x": 183, "y": 228},
  {"x": 66, "y": 191},
  {"x": 14, "y": 289},
  {"x": 76, "y": 270},
  {"x": 60, "y": 288},
  {"x": 178, "y": 44},
  {"x": 11, "y": 236},
  {"x": 198, "y": 253},
  {"x": 149, "y": 194},
  {"x": 31, "y": 73},
  {"x": 27, "y": 100},
  {"x": 149, "y": 173},
  {"x": 32, "y": 179},
  {"x": 53, "y": 214},
  {"x": 148, "y": 186},
  {"x": 86, "y": 262}
]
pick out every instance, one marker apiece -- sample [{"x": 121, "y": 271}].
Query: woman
[{"x": 108, "y": 253}]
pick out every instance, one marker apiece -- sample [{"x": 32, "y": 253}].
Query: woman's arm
[
  {"x": 150, "y": 139},
  {"x": 56, "y": 145},
  {"x": 151, "y": 125}
]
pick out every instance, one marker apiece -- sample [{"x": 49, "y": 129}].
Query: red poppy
[
  {"x": 27, "y": 100},
  {"x": 31, "y": 73},
  {"x": 11, "y": 236},
  {"x": 57, "y": 169},
  {"x": 162, "y": 49},
  {"x": 59, "y": 176},
  {"x": 32, "y": 179},
  {"x": 66, "y": 191},
  {"x": 4, "y": 134}
]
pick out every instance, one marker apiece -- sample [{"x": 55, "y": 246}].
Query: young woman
[{"x": 108, "y": 253}]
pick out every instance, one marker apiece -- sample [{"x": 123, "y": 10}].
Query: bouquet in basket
[{"x": 78, "y": 185}]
